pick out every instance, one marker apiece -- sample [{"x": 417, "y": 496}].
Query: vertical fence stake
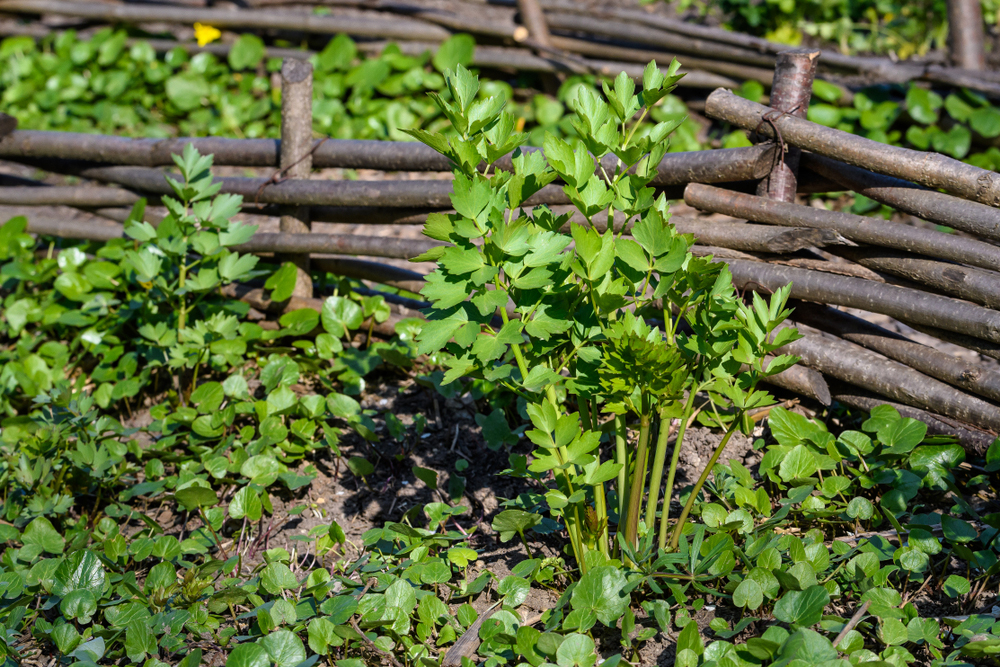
[
  {"x": 966, "y": 41},
  {"x": 296, "y": 159},
  {"x": 790, "y": 93}
]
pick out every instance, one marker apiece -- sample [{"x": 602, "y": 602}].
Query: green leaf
[
  {"x": 900, "y": 437},
  {"x": 427, "y": 476},
  {"x": 246, "y": 52},
  {"x": 359, "y": 466},
  {"x": 80, "y": 605},
  {"x": 340, "y": 314},
  {"x": 956, "y": 586},
  {"x": 42, "y": 536},
  {"x": 798, "y": 464},
  {"x": 284, "y": 648},
  {"x": 513, "y": 521},
  {"x": 246, "y": 503},
  {"x": 80, "y": 571},
  {"x": 282, "y": 282},
  {"x": 956, "y": 530},
  {"x": 234, "y": 266},
  {"x": 338, "y": 54},
  {"x": 276, "y": 578},
  {"x": 186, "y": 91},
  {"x": 802, "y": 608},
  {"x": 748, "y": 594},
  {"x": 576, "y": 650},
  {"x": 922, "y": 104},
  {"x": 602, "y": 592},
  {"x": 194, "y": 497},
  {"x": 140, "y": 642},
  {"x": 456, "y": 50}
]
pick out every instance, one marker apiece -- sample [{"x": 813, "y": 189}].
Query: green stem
[
  {"x": 659, "y": 458},
  {"x": 621, "y": 456},
  {"x": 182, "y": 310},
  {"x": 573, "y": 528},
  {"x": 665, "y": 515},
  {"x": 600, "y": 501},
  {"x": 679, "y": 528},
  {"x": 638, "y": 483}
]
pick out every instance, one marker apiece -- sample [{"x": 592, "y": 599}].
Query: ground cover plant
[{"x": 134, "y": 390}]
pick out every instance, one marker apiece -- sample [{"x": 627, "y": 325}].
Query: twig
[
  {"x": 372, "y": 645},
  {"x": 851, "y": 623}
]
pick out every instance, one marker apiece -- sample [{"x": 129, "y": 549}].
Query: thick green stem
[
  {"x": 600, "y": 502},
  {"x": 638, "y": 482},
  {"x": 572, "y": 527},
  {"x": 675, "y": 457},
  {"x": 679, "y": 528},
  {"x": 659, "y": 458},
  {"x": 182, "y": 310},
  {"x": 621, "y": 456}
]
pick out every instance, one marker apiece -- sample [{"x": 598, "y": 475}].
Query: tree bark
[
  {"x": 976, "y": 285},
  {"x": 907, "y": 305},
  {"x": 857, "y": 228},
  {"x": 930, "y": 169},
  {"x": 790, "y": 94},
  {"x": 716, "y": 166},
  {"x": 966, "y": 40},
  {"x": 80, "y": 196},
  {"x": 800, "y": 380},
  {"x": 940, "y": 365},
  {"x": 296, "y": 158},
  {"x": 534, "y": 20},
  {"x": 968, "y": 216},
  {"x": 855, "y": 365}
]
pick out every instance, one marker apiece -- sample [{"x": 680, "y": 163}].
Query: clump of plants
[{"x": 561, "y": 309}]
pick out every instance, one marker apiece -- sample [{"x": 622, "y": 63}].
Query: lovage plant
[{"x": 563, "y": 320}]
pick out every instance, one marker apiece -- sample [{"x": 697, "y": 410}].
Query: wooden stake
[
  {"x": 966, "y": 43},
  {"x": 296, "y": 156},
  {"x": 790, "y": 93}
]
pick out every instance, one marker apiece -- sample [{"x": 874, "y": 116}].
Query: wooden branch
[
  {"x": 975, "y": 441},
  {"x": 432, "y": 194},
  {"x": 800, "y": 380},
  {"x": 716, "y": 166},
  {"x": 80, "y": 196},
  {"x": 966, "y": 40},
  {"x": 955, "y": 371},
  {"x": 978, "y": 345},
  {"x": 615, "y": 52},
  {"x": 930, "y": 169},
  {"x": 340, "y": 244},
  {"x": 381, "y": 27},
  {"x": 976, "y": 285},
  {"x": 393, "y": 276},
  {"x": 641, "y": 34},
  {"x": 857, "y": 228},
  {"x": 534, "y": 20},
  {"x": 790, "y": 94},
  {"x": 855, "y": 365},
  {"x": 907, "y": 305},
  {"x": 968, "y": 216}
]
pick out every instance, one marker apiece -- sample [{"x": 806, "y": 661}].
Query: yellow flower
[{"x": 206, "y": 34}]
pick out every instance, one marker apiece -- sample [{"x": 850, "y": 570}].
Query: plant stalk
[
  {"x": 679, "y": 528},
  {"x": 638, "y": 482},
  {"x": 675, "y": 457},
  {"x": 589, "y": 418},
  {"x": 659, "y": 458},
  {"x": 621, "y": 456}
]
